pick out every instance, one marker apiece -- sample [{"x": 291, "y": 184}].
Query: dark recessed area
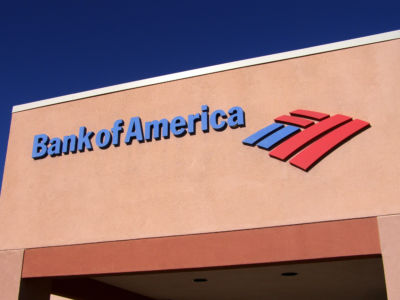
[
  {"x": 288, "y": 274},
  {"x": 200, "y": 280},
  {"x": 344, "y": 279}
]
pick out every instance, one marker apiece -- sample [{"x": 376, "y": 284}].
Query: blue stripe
[
  {"x": 254, "y": 138},
  {"x": 269, "y": 142}
]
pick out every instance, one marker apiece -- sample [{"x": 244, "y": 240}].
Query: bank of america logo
[{"x": 305, "y": 137}]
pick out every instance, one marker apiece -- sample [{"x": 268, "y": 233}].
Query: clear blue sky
[{"x": 54, "y": 48}]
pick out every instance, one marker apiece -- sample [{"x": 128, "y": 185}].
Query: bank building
[{"x": 276, "y": 177}]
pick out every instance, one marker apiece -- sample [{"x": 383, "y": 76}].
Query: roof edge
[{"x": 381, "y": 37}]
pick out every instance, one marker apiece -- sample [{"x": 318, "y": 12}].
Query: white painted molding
[{"x": 391, "y": 35}]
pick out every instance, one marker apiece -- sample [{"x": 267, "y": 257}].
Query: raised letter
[
  {"x": 40, "y": 142},
  {"x": 55, "y": 147},
  {"x": 103, "y": 139},
  {"x": 134, "y": 131},
  {"x": 178, "y": 125},
  {"x": 84, "y": 139},
  {"x": 69, "y": 144},
  {"x": 204, "y": 118},
  {"x": 192, "y": 123},
  {"x": 236, "y": 118},
  {"x": 214, "y": 120},
  {"x": 155, "y": 128},
  {"x": 116, "y": 132}
]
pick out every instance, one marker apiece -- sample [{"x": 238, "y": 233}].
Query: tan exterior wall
[
  {"x": 10, "y": 273},
  {"x": 208, "y": 182},
  {"x": 389, "y": 230}
]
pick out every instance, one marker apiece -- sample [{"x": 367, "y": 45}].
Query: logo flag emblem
[{"x": 305, "y": 137}]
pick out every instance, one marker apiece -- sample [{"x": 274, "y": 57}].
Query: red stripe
[
  {"x": 294, "y": 144},
  {"x": 309, "y": 114},
  {"x": 306, "y": 159},
  {"x": 294, "y": 121}
]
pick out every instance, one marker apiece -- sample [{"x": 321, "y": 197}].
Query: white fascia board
[{"x": 376, "y": 38}]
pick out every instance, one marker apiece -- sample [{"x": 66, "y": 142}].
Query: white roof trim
[{"x": 391, "y": 35}]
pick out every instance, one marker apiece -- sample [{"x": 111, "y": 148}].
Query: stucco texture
[
  {"x": 208, "y": 182},
  {"x": 389, "y": 231},
  {"x": 10, "y": 273}
]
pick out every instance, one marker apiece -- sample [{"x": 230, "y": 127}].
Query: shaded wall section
[
  {"x": 10, "y": 273},
  {"x": 326, "y": 240},
  {"x": 389, "y": 231}
]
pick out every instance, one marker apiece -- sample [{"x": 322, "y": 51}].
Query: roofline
[{"x": 376, "y": 38}]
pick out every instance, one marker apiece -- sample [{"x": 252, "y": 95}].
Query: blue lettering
[
  {"x": 153, "y": 128},
  {"x": 204, "y": 118},
  {"x": 69, "y": 144},
  {"x": 135, "y": 131},
  {"x": 84, "y": 139},
  {"x": 40, "y": 142},
  {"x": 55, "y": 147},
  {"x": 116, "y": 132},
  {"x": 192, "y": 119},
  {"x": 236, "y": 117},
  {"x": 178, "y": 125},
  {"x": 103, "y": 139},
  {"x": 214, "y": 120}
]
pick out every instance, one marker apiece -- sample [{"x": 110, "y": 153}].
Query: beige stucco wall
[
  {"x": 10, "y": 273},
  {"x": 208, "y": 182}
]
